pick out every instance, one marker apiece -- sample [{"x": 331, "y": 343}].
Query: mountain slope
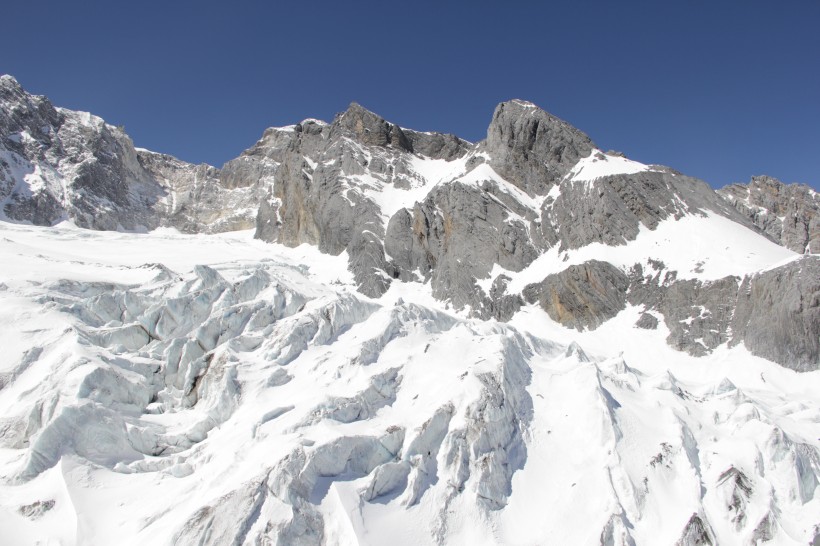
[
  {"x": 415, "y": 339},
  {"x": 57, "y": 164},
  {"x": 466, "y": 218},
  {"x": 256, "y": 400}
]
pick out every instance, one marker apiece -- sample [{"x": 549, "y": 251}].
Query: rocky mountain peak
[
  {"x": 531, "y": 147},
  {"x": 524, "y": 126},
  {"x": 7, "y": 81},
  {"x": 18, "y": 106},
  {"x": 371, "y": 129}
]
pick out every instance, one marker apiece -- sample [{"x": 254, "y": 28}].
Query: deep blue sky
[{"x": 721, "y": 90}]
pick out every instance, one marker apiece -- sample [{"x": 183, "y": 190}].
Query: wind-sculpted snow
[{"x": 194, "y": 400}]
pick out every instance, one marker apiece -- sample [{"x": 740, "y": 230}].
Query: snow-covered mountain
[{"x": 357, "y": 333}]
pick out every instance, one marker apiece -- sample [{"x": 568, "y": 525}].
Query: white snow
[
  {"x": 424, "y": 175},
  {"x": 392, "y": 420},
  {"x": 598, "y": 164},
  {"x": 484, "y": 173},
  {"x": 314, "y": 120},
  {"x": 697, "y": 247}
]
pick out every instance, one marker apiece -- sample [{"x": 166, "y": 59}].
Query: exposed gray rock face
[
  {"x": 61, "y": 164},
  {"x": 778, "y": 314},
  {"x": 612, "y": 209},
  {"x": 199, "y": 202},
  {"x": 320, "y": 193},
  {"x": 57, "y": 164},
  {"x": 790, "y": 214},
  {"x": 437, "y": 145},
  {"x": 775, "y": 314},
  {"x": 698, "y": 314},
  {"x": 696, "y": 533},
  {"x": 647, "y": 322},
  {"x": 454, "y": 237},
  {"x": 370, "y": 129},
  {"x": 531, "y": 148},
  {"x": 582, "y": 296}
]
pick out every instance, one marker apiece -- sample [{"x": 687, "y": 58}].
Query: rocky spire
[
  {"x": 371, "y": 129},
  {"x": 532, "y": 148}
]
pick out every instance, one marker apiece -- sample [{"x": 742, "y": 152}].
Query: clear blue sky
[{"x": 721, "y": 90}]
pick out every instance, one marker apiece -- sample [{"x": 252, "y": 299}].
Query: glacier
[{"x": 232, "y": 391}]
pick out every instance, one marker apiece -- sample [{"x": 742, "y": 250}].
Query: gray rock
[
  {"x": 454, "y": 237},
  {"x": 775, "y": 314},
  {"x": 612, "y": 209},
  {"x": 790, "y": 214},
  {"x": 88, "y": 171},
  {"x": 320, "y": 188},
  {"x": 531, "y": 148},
  {"x": 36, "y": 509},
  {"x": 317, "y": 199},
  {"x": 503, "y": 306},
  {"x": 778, "y": 314},
  {"x": 581, "y": 296},
  {"x": 698, "y": 314},
  {"x": 647, "y": 322},
  {"x": 696, "y": 533},
  {"x": 437, "y": 145},
  {"x": 370, "y": 129}
]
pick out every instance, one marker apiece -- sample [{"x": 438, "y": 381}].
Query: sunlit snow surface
[
  {"x": 598, "y": 164},
  {"x": 147, "y": 400}
]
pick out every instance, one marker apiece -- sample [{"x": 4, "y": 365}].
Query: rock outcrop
[
  {"x": 778, "y": 314},
  {"x": 57, "y": 164},
  {"x": 531, "y": 148},
  {"x": 775, "y": 314},
  {"x": 613, "y": 209},
  {"x": 323, "y": 192},
  {"x": 788, "y": 213},
  {"x": 582, "y": 296}
]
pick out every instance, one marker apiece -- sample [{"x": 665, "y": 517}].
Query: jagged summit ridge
[
  {"x": 475, "y": 221},
  {"x": 371, "y": 129}
]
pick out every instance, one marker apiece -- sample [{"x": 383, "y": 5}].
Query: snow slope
[
  {"x": 164, "y": 388},
  {"x": 598, "y": 164},
  {"x": 687, "y": 245}
]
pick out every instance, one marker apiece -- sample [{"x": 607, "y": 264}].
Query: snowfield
[{"x": 164, "y": 388}]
